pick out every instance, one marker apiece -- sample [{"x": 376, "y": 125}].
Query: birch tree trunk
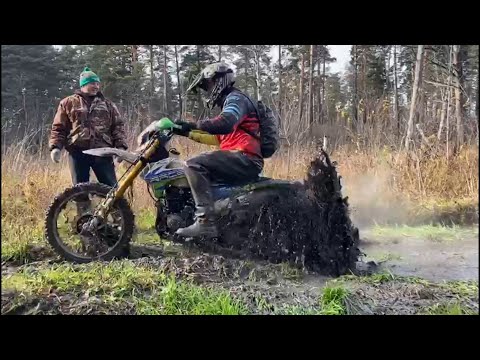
[{"x": 418, "y": 74}]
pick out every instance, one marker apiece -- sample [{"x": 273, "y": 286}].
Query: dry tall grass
[{"x": 379, "y": 182}]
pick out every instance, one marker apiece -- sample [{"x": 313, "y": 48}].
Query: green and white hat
[{"x": 88, "y": 76}]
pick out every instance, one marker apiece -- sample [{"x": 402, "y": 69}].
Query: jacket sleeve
[
  {"x": 203, "y": 137},
  {"x": 60, "y": 127},
  {"x": 118, "y": 128},
  {"x": 235, "y": 109}
]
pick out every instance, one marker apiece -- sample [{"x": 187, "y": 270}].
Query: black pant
[
  {"x": 81, "y": 163},
  {"x": 226, "y": 167}
]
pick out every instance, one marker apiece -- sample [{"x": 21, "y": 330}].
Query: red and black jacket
[{"x": 237, "y": 127}]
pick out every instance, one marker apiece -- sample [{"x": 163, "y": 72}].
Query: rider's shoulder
[{"x": 236, "y": 95}]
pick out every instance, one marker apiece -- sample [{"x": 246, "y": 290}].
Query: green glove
[{"x": 186, "y": 128}]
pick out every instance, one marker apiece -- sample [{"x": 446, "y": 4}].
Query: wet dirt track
[{"x": 434, "y": 261}]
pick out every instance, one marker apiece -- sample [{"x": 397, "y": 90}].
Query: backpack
[
  {"x": 269, "y": 138},
  {"x": 268, "y": 130}
]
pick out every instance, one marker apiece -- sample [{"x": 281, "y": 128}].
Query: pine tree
[{"x": 30, "y": 87}]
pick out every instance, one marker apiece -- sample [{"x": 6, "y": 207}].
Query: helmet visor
[{"x": 198, "y": 82}]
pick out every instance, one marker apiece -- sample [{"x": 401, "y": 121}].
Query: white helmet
[{"x": 221, "y": 74}]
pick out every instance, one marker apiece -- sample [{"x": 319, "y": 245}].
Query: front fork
[{"x": 115, "y": 195}]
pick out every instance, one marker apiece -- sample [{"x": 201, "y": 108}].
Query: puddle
[{"x": 421, "y": 257}]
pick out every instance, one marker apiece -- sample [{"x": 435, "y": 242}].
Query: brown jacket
[{"x": 77, "y": 126}]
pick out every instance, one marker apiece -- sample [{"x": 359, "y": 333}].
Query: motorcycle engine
[
  {"x": 174, "y": 222},
  {"x": 180, "y": 208}
]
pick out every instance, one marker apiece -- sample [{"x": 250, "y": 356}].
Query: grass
[
  {"x": 459, "y": 288},
  {"x": 145, "y": 220},
  {"x": 18, "y": 241},
  {"x": 452, "y": 308},
  {"x": 462, "y": 288},
  {"x": 128, "y": 287},
  {"x": 119, "y": 278},
  {"x": 150, "y": 290},
  {"x": 262, "y": 303},
  {"x": 289, "y": 272},
  {"x": 374, "y": 279},
  {"x": 444, "y": 210},
  {"x": 429, "y": 232},
  {"x": 381, "y": 278},
  {"x": 187, "y": 299},
  {"x": 149, "y": 237},
  {"x": 333, "y": 301},
  {"x": 298, "y": 310}
]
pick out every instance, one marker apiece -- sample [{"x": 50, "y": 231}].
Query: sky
[{"x": 342, "y": 53}]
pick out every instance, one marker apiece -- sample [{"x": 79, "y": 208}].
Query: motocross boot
[{"x": 204, "y": 225}]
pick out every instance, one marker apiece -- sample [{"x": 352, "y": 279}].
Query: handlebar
[
  {"x": 166, "y": 124},
  {"x": 163, "y": 127}
]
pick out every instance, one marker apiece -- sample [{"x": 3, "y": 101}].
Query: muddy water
[{"x": 426, "y": 258}]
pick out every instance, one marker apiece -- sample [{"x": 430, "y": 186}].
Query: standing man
[{"x": 87, "y": 120}]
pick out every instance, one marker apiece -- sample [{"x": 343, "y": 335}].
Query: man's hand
[
  {"x": 186, "y": 128},
  {"x": 119, "y": 160},
  {"x": 55, "y": 155}
]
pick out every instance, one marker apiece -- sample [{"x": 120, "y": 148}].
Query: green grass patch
[
  {"x": 145, "y": 229},
  {"x": 182, "y": 298},
  {"x": 374, "y": 279},
  {"x": 462, "y": 288},
  {"x": 457, "y": 287},
  {"x": 145, "y": 220},
  {"x": 119, "y": 278},
  {"x": 18, "y": 240},
  {"x": 453, "y": 308},
  {"x": 148, "y": 238},
  {"x": 429, "y": 232},
  {"x": 123, "y": 282},
  {"x": 333, "y": 301}
]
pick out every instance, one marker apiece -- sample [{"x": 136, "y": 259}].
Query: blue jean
[{"x": 80, "y": 165}]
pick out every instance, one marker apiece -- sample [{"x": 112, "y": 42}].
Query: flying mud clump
[{"x": 306, "y": 225}]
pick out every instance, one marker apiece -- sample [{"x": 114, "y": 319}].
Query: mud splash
[{"x": 306, "y": 225}]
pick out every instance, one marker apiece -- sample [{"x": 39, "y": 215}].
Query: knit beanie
[{"x": 88, "y": 76}]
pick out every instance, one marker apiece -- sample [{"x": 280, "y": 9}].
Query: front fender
[{"x": 108, "y": 151}]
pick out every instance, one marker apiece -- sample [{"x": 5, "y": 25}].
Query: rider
[{"x": 235, "y": 131}]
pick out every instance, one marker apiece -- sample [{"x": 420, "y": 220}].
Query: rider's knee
[{"x": 190, "y": 163}]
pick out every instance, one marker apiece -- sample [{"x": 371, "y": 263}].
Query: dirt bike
[{"x": 103, "y": 231}]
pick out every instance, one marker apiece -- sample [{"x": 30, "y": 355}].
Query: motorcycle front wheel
[{"x": 71, "y": 213}]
